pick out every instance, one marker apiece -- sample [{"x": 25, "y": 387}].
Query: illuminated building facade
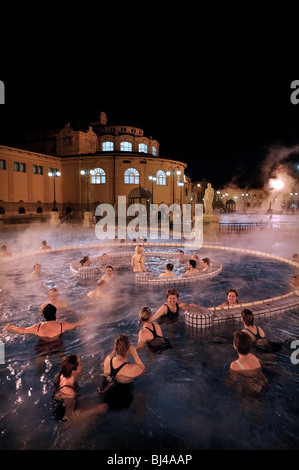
[{"x": 89, "y": 168}]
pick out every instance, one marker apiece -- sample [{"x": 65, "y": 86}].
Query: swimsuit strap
[
  {"x": 257, "y": 334},
  {"x": 113, "y": 372},
  {"x": 238, "y": 362},
  {"x": 153, "y": 331},
  {"x": 70, "y": 386}
]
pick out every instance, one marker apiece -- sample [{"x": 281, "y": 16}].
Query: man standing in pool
[
  {"x": 170, "y": 310},
  {"x": 54, "y": 300}
]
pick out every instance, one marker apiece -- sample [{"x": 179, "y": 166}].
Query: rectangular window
[
  {"x": 143, "y": 148},
  {"x": 34, "y": 169},
  {"x": 16, "y": 166},
  {"x": 2, "y": 164},
  {"x": 107, "y": 146},
  {"x": 126, "y": 146},
  {"x": 40, "y": 170},
  {"x": 23, "y": 167}
]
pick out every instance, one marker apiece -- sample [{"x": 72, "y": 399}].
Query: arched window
[
  {"x": 98, "y": 176},
  {"x": 107, "y": 146},
  {"x": 126, "y": 146},
  {"x": 161, "y": 178},
  {"x": 154, "y": 150},
  {"x": 142, "y": 148},
  {"x": 131, "y": 176}
]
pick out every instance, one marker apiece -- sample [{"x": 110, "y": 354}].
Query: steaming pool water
[{"x": 183, "y": 401}]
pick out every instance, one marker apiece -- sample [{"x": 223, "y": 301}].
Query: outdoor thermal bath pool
[{"x": 183, "y": 401}]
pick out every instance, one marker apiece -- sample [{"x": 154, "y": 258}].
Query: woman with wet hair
[
  {"x": 137, "y": 261},
  {"x": 254, "y": 332},
  {"x": 119, "y": 374},
  {"x": 50, "y": 328},
  {"x": 232, "y": 299},
  {"x": 66, "y": 390},
  {"x": 151, "y": 333}
]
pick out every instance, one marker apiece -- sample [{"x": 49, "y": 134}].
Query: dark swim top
[
  {"x": 162, "y": 344},
  {"x": 153, "y": 331},
  {"x": 38, "y": 327},
  {"x": 257, "y": 334},
  {"x": 113, "y": 371},
  {"x": 172, "y": 315}
]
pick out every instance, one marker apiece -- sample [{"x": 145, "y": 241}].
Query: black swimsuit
[
  {"x": 257, "y": 334},
  {"x": 155, "y": 334},
  {"x": 113, "y": 371},
  {"x": 118, "y": 396},
  {"x": 158, "y": 343},
  {"x": 169, "y": 315}
]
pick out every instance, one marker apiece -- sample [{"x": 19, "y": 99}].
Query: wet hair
[
  {"x": 144, "y": 314},
  {"x": 49, "y": 312},
  {"x": 172, "y": 292},
  {"x": 67, "y": 365},
  {"x": 248, "y": 317},
  {"x": 242, "y": 342},
  {"x": 232, "y": 290},
  {"x": 36, "y": 264},
  {"x": 84, "y": 259},
  {"x": 192, "y": 262},
  {"x": 53, "y": 289},
  {"x": 121, "y": 344},
  {"x": 109, "y": 267},
  {"x": 139, "y": 249},
  {"x": 206, "y": 260},
  {"x": 169, "y": 266},
  {"x": 44, "y": 242}
]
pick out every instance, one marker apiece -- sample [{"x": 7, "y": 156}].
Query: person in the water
[
  {"x": 45, "y": 246},
  {"x": 170, "y": 310},
  {"x": 192, "y": 269},
  {"x": 255, "y": 332},
  {"x": 246, "y": 360},
  {"x": 99, "y": 293},
  {"x": 84, "y": 262},
  {"x": 53, "y": 298},
  {"x": 109, "y": 275},
  {"x": 137, "y": 261},
  {"x": 119, "y": 374},
  {"x": 36, "y": 273},
  {"x": 205, "y": 264},
  {"x": 66, "y": 390},
  {"x": 50, "y": 328},
  {"x": 232, "y": 299},
  {"x": 151, "y": 333},
  {"x": 168, "y": 271},
  {"x": 3, "y": 252}
]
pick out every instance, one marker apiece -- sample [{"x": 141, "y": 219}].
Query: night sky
[{"x": 221, "y": 126}]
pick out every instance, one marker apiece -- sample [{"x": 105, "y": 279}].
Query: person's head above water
[
  {"x": 121, "y": 345},
  {"x": 49, "y": 312},
  {"x": 242, "y": 342}
]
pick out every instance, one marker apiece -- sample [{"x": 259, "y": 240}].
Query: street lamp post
[
  {"x": 181, "y": 184},
  {"x": 54, "y": 174},
  {"x": 171, "y": 171},
  {"x": 87, "y": 172},
  {"x": 152, "y": 178},
  {"x": 87, "y": 214}
]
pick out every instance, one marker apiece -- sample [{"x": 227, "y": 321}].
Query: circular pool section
[{"x": 182, "y": 401}]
